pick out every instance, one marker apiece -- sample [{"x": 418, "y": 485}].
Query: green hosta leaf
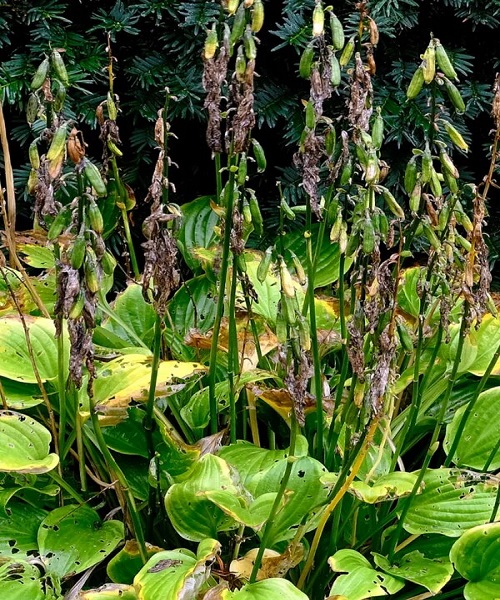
[
  {"x": 269, "y": 589},
  {"x": 176, "y": 573},
  {"x": 193, "y": 306},
  {"x": 125, "y": 565},
  {"x": 128, "y": 436},
  {"x": 21, "y": 396},
  {"x": 388, "y": 487},
  {"x": 327, "y": 268},
  {"x": 39, "y": 257},
  {"x": 267, "y": 292},
  {"x": 6, "y": 494},
  {"x": 408, "y": 295},
  {"x": 194, "y": 516},
  {"x": 448, "y": 351},
  {"x": 20, "y": 581},
  {"x": 450, "y": 504},
  {"x": 415, "y": 567},
  {"x": 19, "y": 529},
  {"x": 362, "y": 580},
  {"x": 133, "y": 317},
  {"x": 197, "y": 229},
  {"x": 15, "y": 361},
  {"x": 196, "y": 412},
  {"x": 476, "y": 556},
  {"x": 25, "y": 445},
  {"x": 109, "y": 591},
  {"x": 480, "y": 434},
  {"x": 252, "y": 514},
  {"x": 487, "y": 340},
  {"x": 73, "y": 538}
]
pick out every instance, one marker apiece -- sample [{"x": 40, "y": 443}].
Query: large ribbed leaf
[
  {"x": 197, "y": 230},
  {"x": 20, "y": 581}
]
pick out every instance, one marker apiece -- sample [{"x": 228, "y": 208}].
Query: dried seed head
[{"x": 496, "y": 101}]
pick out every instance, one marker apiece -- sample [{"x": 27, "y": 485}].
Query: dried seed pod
[
  {"x": 211, "y": 44},
  {"x": 58, "y": 143},
  {"x": 348, "y": 51},
  {"x": 443, "y": 61},
  {"x": 40, "y": 74},
  {"x": 59, "y": 67},
  {"x": 429, "y": 63},
  {"x": 306, "y": 60},
  {"x": 416, "y": 84},
  {"x": 94, "y": 178},
  {"x": 75, "y": 146},
  {"x": 454, "y": 95},
  {"x": 374, "y": 34},
  {"x": 257, "y": 16},
  {"x": 338, "y": 36},
  {"x": 318, "y": 20},
  {"x": 456, "y": 136},
  {"x": 336, "y": 76},
  {"x": 265, "y": 263}
]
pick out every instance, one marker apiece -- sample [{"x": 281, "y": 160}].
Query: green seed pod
[
  {"x": 378, "y": 130},
  {"x": 59, "y": 67},
  {"x": 392, "y": 204},
  {"x": 265, "y": 263},
  {"x": 443, "y": 218},
  {"x": 249, "y": 43},
  {"x": 372, "y": 172},
  {"x": 40, "y": 75},
  {"x": 330, "y": 141},
  {"x": 336, "y": 76},
  {"x": 443, "y": 61},
  {"x": 260, "y": 157},
  {"x": 454, "y": 95},
  {"x": 231, "y": 6},
  {"x": 450, "y": 181},
  {"x": 77, "y": 308},
  {"x": 257, "y": 221},
  {"x": 108, "y": 263},
  {"x": 429, "y": 63},
  {"x": 32, "y": 181},
  {"x": 304, "y": 334},
  {"x": 338, "y": 37},
  {"x": 416, "y": 84},
  {"x": 430, "y": 234},
  {"x": 346, "y": 173},
  {"x": 241, "y": 65},
  {"x": 59, "y": 96},
  {"x": 415, "y": 197},
  {"x": 78, "y": 251},
  {"x": 410, "y": 178},
  {"x": 111, "y": 106},
  {"x": 257, "y": 16},
  {"x": 306, "y": 60},
  {"x": 238, "y": 28},
  {"x": 343, "y": 239},
  {"x": 287, "y": 211},
  {"x": 426, "y": 165},
  {"x": 456, "y": 136},
  {"x": 288, "y": 310},
  {"x": 247, "y": 215},
  {"x": 466, "y": 245},
  {"x": 348, "y": 51},
  {"x": 34, "y": 156},
  {"x": 310, "y": 115},
  {"x": 58, "y": 143},
  {"x": 448, "y": 164},
  {"x": 114, "y": 148},
  {"x": 281, "y": 328},
  {"x": 383, "y": 225},
  {"x": 241, "y": 263},
  {"x": 95, "y": 217},
  {"x": 211, "y": 44},
  {"x": 242, "y": 170},
  {"x": 436, "y": 187},
  {"x": 286, "y": 280},
  {"x": 336, "y": 228},
  {"x": 368, "y": 236},
  {"x": 91, "y": 270},
  {"x": 94, "y": 178},
  {"x": 352, "y": 243},
  {"x": 362, "y": 155},
  {"x": 59, "y": 224},
  {"x": 404, "y": 338},
  {"x": 299, "y": 269},
  {"x": 32, "y": 108},
  {"x": 318, "y": 20}
]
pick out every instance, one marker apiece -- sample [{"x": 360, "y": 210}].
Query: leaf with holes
[
  {"x": 25, "y": 445},
  {"x": 20, "y": 581},
  {"x": 73, "y": 538},
  {"x": 19, "y": 529},
  {"x": 476, "y": 556}
]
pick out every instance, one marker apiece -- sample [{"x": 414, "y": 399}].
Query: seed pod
[
  {"x": 288, "y": 309},
  {"x": 426, "y": 165},
  {"x": 265, "y": 263},
  {"x": 454, "y": 95},
  {"x": 260, "y": 157},
  {"x": 362, "y": 155},
  {"x": 58, "y": 143},
  {"x": 231, "y": 6},
  {"x": 286, "y": 280},
  {"x": 91, "y": 270},
  {"x": 111, "y": 106},
  {"x": 34, "y": 156},
  {"x": 374, "y": 34},
  {"x": 108, "y": 263},
  {"x": 114, "y": 148},
  {"x": 59, "y": 67},
  {"x": 343, "y": 238},
  {"x": 352, "y": 243},
  {"x": 241, "y": 263},
  {"x": 383, "y": 226},
  {"x": 466, "y": 245},
  {"x": 40, "y": 75},
  {"x": 247, "y": 215},
  {"x": 392, "y": 204},
  {"x": 32, "y": 181},
  {"x": 330, "y": 141},
  {"x": 75, "y": 146},
  {"x": 257, "y": 220},
  {"x": 257, "y": 16},
  {"x": 456, "y": 136},
  {"x": 436, "y": 187},
  {"x": 430, "y": 234},
  {"x": 94, "y": 178},
  {"x": 59, "y": 96},
  {"x": 242, "y": 170},
  {"x": 78, "y": 251},
  {"x": 429, "y": 63},
  {"x": 410, "y": 178},
  {"x": 338, "y": 37},
  {"x": 287, "y": 211},
  {"x": 240, "y": 67},
  {"x": 450, "y": 181},
  {"x": 95, "y": 217},
  {"x": 249, "y": 43},
  {"x": 59, "y": 224},
  {"x": 310, "y": 115},
  {"x": 404, "y": 338},
  {"x": 368, "y": 236},
  {"x": 318, "y": 20},
  {"x": 306, "y": 60},
  {"x": 211, "y": 44},
  {"x": 416, "y": 84},
  {"x": 77, "y": 308},
  {"x": 32, "y": 108},
  {"x": 304, "y": 334},
  {"x": 238, "y": 28},
  {"x": 348, "y": 51},
  {"x": 281, "y": 328},
  {"x": 336, "y": 228},
  {"x": 447, "y": 163},
  {"x": 415, "y": 197},
  {"x": 299, "y": 269},
  {"x": 444, "y": 62},
  {"x": 345, "y": 175},
  {"x": 336, "y": 76},
  {"x": 443, "y": 218},
  {"x": 378, "y": 130},
  {"x": 372, "y": 172}
]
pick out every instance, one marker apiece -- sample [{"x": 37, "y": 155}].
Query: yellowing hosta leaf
[
  {"x": 387, "y": 487},
  {"x": 25, "y": 445},
  {"x": 109, "y": 591}
]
